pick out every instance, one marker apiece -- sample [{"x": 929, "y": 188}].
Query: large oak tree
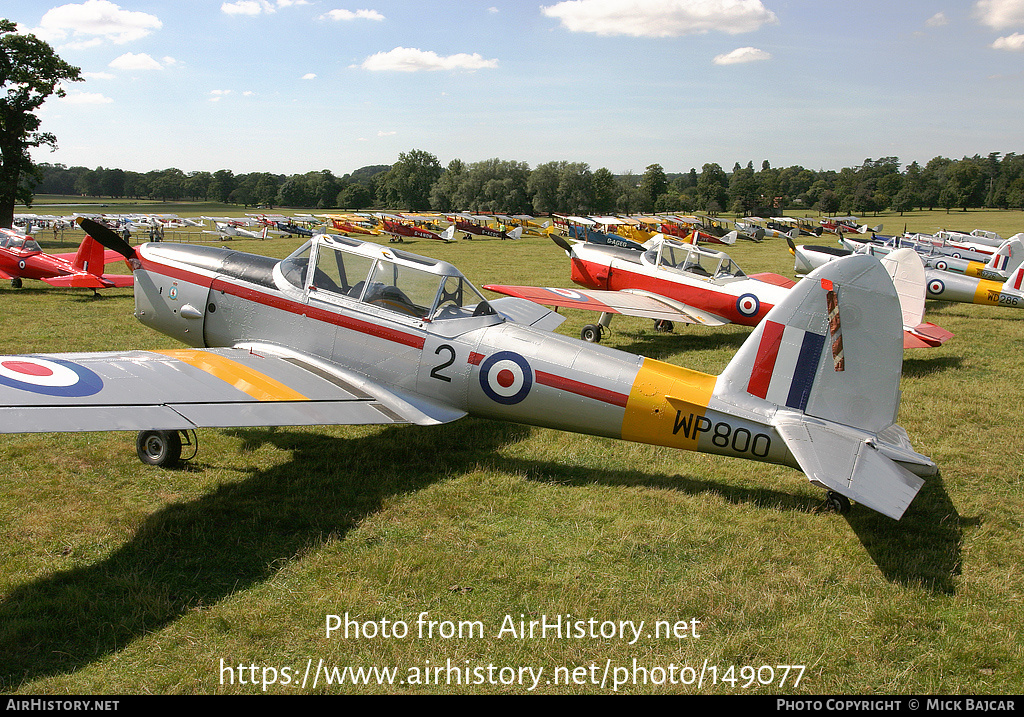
[{"x": 30, "y": 71}]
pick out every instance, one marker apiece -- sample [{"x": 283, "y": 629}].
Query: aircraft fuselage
[{"x": 486, "y": 365}]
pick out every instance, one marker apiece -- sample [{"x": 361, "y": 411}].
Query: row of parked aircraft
[{"x": 345, "y": 331}]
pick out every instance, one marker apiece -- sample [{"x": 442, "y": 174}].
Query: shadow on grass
[
  {"x": 923, "y": 548},
  {"x": 921, "y": 367},
  {"x": 194, "y": 554}
]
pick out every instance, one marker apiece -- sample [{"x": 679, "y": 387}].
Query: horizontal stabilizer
[
  {"x": 925, "y": 335},
  {"x": 848, "y": 462}
]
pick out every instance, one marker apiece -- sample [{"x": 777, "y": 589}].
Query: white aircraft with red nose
[{"x": 344, "y": 331}]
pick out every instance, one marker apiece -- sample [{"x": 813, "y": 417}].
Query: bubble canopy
[{"x": 332, "y": 267}]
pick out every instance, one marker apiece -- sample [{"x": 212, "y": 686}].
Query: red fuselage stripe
[
  {"x": 581, "y": 389},
  {"x": 289, "y": 305}
]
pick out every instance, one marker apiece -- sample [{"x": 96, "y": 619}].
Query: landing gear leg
[
  {"x": 159, "y": 448},
  {"x": 837, "y": 502},
  {"x": 594, "y": 332}
]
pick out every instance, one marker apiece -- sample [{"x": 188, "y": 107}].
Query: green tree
[
  {"x": 410, "y": 179},
  {"x": 712, "y": 188},
  {"x": 30, "y": 71},
  {"x": 653, "y": 184}
]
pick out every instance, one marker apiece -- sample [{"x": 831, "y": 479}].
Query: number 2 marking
[{"x": 435, "y": 372}]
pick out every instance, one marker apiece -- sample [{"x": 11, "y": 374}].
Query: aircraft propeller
[
  {"x": 561, "y": 242},
  {"x": 107, "y": 237}
]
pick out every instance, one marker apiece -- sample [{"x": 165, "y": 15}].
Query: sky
[{"x": 291, "y": 86}]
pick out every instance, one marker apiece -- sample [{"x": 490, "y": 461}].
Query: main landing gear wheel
[
  {"x": 837, "y": 502},
  {"x": 159, "y": 448},
  {"x": 591, "y": 333},
  {"x": 663, "y": 326}
]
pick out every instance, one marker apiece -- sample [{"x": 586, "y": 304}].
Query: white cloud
[
  {"x": 999, "y": 14},
  {"x": 85, "y": 98},
  {"x": 937, "y": 20},
  {"x": 257, "y": 7},
  {"x": 94, "y": 22},
  {"x": 131, "y": 61},
  {"x": 407, "y": 59},
  {"x": 218, "y": 95},
  {"x": 247, "y": 7},
  {"x": 348, "y": 15},
  {"x": 309, "y": 76},
  {"x": 660, "y": 18},
  {"x": 97, "y": 75},
  {"x": 1014, "y": 43},
  {"x": 386, "y": 133},
  {"x": 741, "y": 55}
]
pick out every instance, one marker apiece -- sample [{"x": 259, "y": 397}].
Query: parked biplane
[
  {"x": 675, "y": 282},
  {"x": 399, "y": 230},
  {"x": 476, "y": 225},
  {"x": 21, "y": 257},
  {"x": 347, "y": 332}
]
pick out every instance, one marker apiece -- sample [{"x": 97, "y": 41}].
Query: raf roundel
[
  {"x": 506, "y": 377},
  {"x": 50, "y": 377},
  {"x": 748, "y": 305},
  {"x": 936, "y": 287}
]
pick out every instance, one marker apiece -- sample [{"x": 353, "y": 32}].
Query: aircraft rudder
[{"x": 89, "y": 256}]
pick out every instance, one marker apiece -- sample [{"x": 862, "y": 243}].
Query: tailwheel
[
  {"x": 159, "y": 448},
  {"x": 837, "y": 502},
  {"x": 592, "y": 333}
]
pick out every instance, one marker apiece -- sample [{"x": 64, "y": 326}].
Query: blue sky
[{"x": 290, "y": 86}]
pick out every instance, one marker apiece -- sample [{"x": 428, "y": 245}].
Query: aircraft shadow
[
  {"x": 196, "y": 553},
  {"x": 923, "y": 549},
  {"x": 920, "y": 367}
]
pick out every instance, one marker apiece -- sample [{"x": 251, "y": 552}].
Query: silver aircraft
[{"x": 344, "y": 331}]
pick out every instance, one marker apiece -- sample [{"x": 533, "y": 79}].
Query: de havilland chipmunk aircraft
[
  {"x": 343, "y": 331},
  {"x": 671, "y": 281},
  {"x": 21, "y": 257},
  {"x": 996, "y": 283}
]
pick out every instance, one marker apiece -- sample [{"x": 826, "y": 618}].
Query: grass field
[{"x": 117, "y": 578}]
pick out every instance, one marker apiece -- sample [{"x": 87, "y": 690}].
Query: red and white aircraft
[
  {"x": 21, "y": 257},
  {"x": 672, "y": 281}
]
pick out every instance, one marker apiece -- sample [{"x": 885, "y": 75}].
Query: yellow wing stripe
[
  {"x": 247, "y": 380},
  {"x": 662, "y": 400}
]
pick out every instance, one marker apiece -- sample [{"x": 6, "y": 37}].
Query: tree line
[{"x": 418, "y": 182}]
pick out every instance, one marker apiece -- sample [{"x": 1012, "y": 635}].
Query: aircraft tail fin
[
  {"x": 906, "y": 269},
  {"x": 516, "y": 233},
  {"x": 829, "y": 357},
  {"x": 449, "y": 233},
  {"x": 1008, "y": 256},
  {"x": 89, "y": 256},
  {"x": 729, "y": 238}
]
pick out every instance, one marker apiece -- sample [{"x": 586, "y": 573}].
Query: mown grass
[{"x": 118, "y": 578}]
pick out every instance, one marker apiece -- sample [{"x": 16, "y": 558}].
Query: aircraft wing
[
  {"x": 775, "y": 279},
  {"x": 193, "y": 388},
  {"x": 628, "y": 303},
  {"x": 840, "y": 459}
]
